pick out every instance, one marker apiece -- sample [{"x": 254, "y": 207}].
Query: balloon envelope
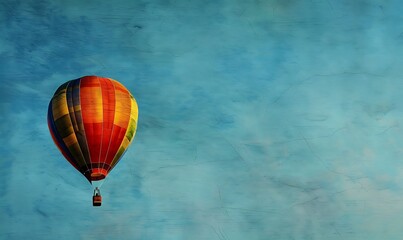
[{"x": 92, "y": 121}]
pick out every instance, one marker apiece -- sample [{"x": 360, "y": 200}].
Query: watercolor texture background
[{"x": 277, "y": 119}]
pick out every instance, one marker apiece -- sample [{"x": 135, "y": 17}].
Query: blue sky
[{"x": 257, "y": 119}]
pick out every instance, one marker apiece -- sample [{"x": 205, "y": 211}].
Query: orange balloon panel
[{"x": 92, "y": 121}]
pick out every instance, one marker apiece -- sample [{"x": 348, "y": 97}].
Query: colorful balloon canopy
[{"x": 92, "y": 121}]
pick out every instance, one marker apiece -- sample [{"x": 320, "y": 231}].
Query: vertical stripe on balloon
[
  {"x": 130, "y": 132},
  {"x": 108, "y": 106},
  {"x": 80, "y": 131},
  {"x": 121, "y": 119},
  {"x": 91, "y": 110},
  {"x": 58, "y": 141},
  {"x": 64, "y": 127}
]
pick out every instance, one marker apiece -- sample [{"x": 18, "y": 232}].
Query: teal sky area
[{"x": 275, "y": 119}]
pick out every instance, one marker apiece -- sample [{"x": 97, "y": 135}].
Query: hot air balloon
[{"x": 92, "y": 121}]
